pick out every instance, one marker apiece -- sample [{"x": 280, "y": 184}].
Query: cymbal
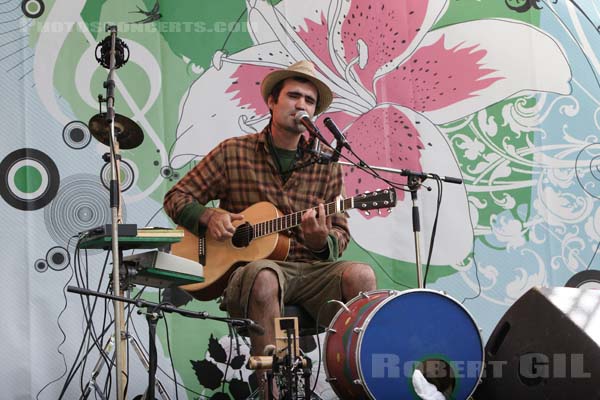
[{"x": 128, "y": 133}]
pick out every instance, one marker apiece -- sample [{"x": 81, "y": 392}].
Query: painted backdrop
[{"x": 503, "y": 94}]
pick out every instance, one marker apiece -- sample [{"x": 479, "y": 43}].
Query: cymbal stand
[{"x": 115, "y": 205}]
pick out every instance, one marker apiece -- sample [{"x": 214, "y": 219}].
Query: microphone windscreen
[{"x": 300, "y": 115}]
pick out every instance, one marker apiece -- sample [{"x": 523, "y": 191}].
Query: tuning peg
[{"x": 367, "y": 213}]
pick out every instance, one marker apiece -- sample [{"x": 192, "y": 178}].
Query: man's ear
[{"x": 270, "y": 102}]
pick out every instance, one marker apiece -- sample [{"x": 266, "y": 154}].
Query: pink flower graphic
[{"x": 395, "y": 81}]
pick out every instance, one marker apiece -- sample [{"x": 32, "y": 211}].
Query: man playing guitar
[{"x": 260, "y": 167}]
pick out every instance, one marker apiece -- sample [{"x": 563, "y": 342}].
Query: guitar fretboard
[
  {"x": 246, "y": 232},
  {"x": 292, "y": 220}
]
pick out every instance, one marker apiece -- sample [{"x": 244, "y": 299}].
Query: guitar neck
[{"x": 292, "y": 220}]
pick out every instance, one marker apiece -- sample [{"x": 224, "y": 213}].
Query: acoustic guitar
[{"x": 260, "y": 235}]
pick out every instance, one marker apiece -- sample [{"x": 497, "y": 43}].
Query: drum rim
[
  {"x": 405, "y": 292},
  {"x": 391, "y": 292}
]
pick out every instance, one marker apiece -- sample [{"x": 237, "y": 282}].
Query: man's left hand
[{"x": 315, "y": 228}]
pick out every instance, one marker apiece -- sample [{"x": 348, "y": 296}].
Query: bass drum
[{"x": 374, "y": 344}]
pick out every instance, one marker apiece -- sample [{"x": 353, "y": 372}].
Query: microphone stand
[
  {"x": 414, "y": 178},
  {"x": 414, "y": 181},
  {"x": 152, "y": 316}
]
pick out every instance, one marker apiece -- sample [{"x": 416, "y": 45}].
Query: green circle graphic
[
  {"x": 33, "y": 7},
  {"x": 28, "y": 179}
]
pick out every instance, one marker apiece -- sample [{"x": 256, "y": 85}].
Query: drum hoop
[
  {"x": 363, "y": 329},
  {"x": 391, "y": 292}
]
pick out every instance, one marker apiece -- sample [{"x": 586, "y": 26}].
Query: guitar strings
[{"x": 250, "y": 231}]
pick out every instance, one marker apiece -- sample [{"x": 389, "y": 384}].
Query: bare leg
[
  {"x": 357, "y": 277},
  {"x": 263, "y": 308}
]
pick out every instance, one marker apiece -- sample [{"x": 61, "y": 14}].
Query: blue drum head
[{"x": 419, "y": 329}]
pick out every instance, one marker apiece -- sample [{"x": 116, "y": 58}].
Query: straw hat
[{"x": 304, "y": 69}]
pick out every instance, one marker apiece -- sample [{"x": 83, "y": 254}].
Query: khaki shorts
[{"x": 309, "y": 285}]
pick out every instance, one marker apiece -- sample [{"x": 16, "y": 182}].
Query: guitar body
[
  {"x": 258, "y": 237},
  {"x": 222, "y": 258}
]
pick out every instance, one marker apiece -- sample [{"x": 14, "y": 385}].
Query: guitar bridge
[{"x": 202, "y": 250}]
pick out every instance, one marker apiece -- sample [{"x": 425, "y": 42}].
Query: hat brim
[{"x": 269, "y": 82}]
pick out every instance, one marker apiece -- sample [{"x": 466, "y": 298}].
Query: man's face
[{"x": 294, "y": 96}]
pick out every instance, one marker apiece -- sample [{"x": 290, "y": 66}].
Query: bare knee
[
  {"x": 358, "y": 277},
  {"x": 265, "y": 289}
]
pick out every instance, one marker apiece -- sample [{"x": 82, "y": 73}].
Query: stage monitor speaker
[{"x": 547, "y": 346}]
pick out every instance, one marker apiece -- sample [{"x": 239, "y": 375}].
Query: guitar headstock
[{"x": 380, "y": 198}]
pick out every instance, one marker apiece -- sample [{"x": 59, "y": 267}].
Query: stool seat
[
  {"x": 306, "y": 326},
  {"x": 306, "y": 323}
]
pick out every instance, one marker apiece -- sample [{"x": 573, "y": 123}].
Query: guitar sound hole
[{"x": 243, "y": 235}]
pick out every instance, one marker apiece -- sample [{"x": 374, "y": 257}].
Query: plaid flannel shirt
[{"x": 240, "y": 172}]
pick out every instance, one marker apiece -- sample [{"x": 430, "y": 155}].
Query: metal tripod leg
[
  {"x": 107, "y": 351},
  {"x": 96, "y": 371}
]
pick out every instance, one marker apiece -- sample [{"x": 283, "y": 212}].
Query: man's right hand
[{"x": 220, "y": 225}]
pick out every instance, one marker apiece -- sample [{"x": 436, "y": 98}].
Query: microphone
[
  {"x": 303, "y": 118},
  {"x": 339, "y": 136},
  {"x": 425, "y": 175},
  {"x": 103, "y": 50},
  {"x": 254, "y": 327}
]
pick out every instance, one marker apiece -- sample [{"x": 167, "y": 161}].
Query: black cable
[
  {"x": 107, "y": 322},
  {"x": 594, "y": 256},
  {"x": 89, "y": 319},
  {"x": 88, "y": 313},
  {"x": 361, "y": 165},
  {"x": 478, "y": 283},
  {"x": 64, "y": 336},
  {"x": 78, "y": 365},
  {"x": 374, "y": 173},
  {"x": 228, "y": 358},
  {"x": 318, "y": 346},
  {"x": 97, "y": 340},
  {"x": 368, "y": 253},
  {"x": 153, "y": 216},
  {"x": 158, "y": 366},
  {"x": 88, "y": 330},
  {"x": 73, "y": 370},
  {"x": 160, "y": 294}
]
